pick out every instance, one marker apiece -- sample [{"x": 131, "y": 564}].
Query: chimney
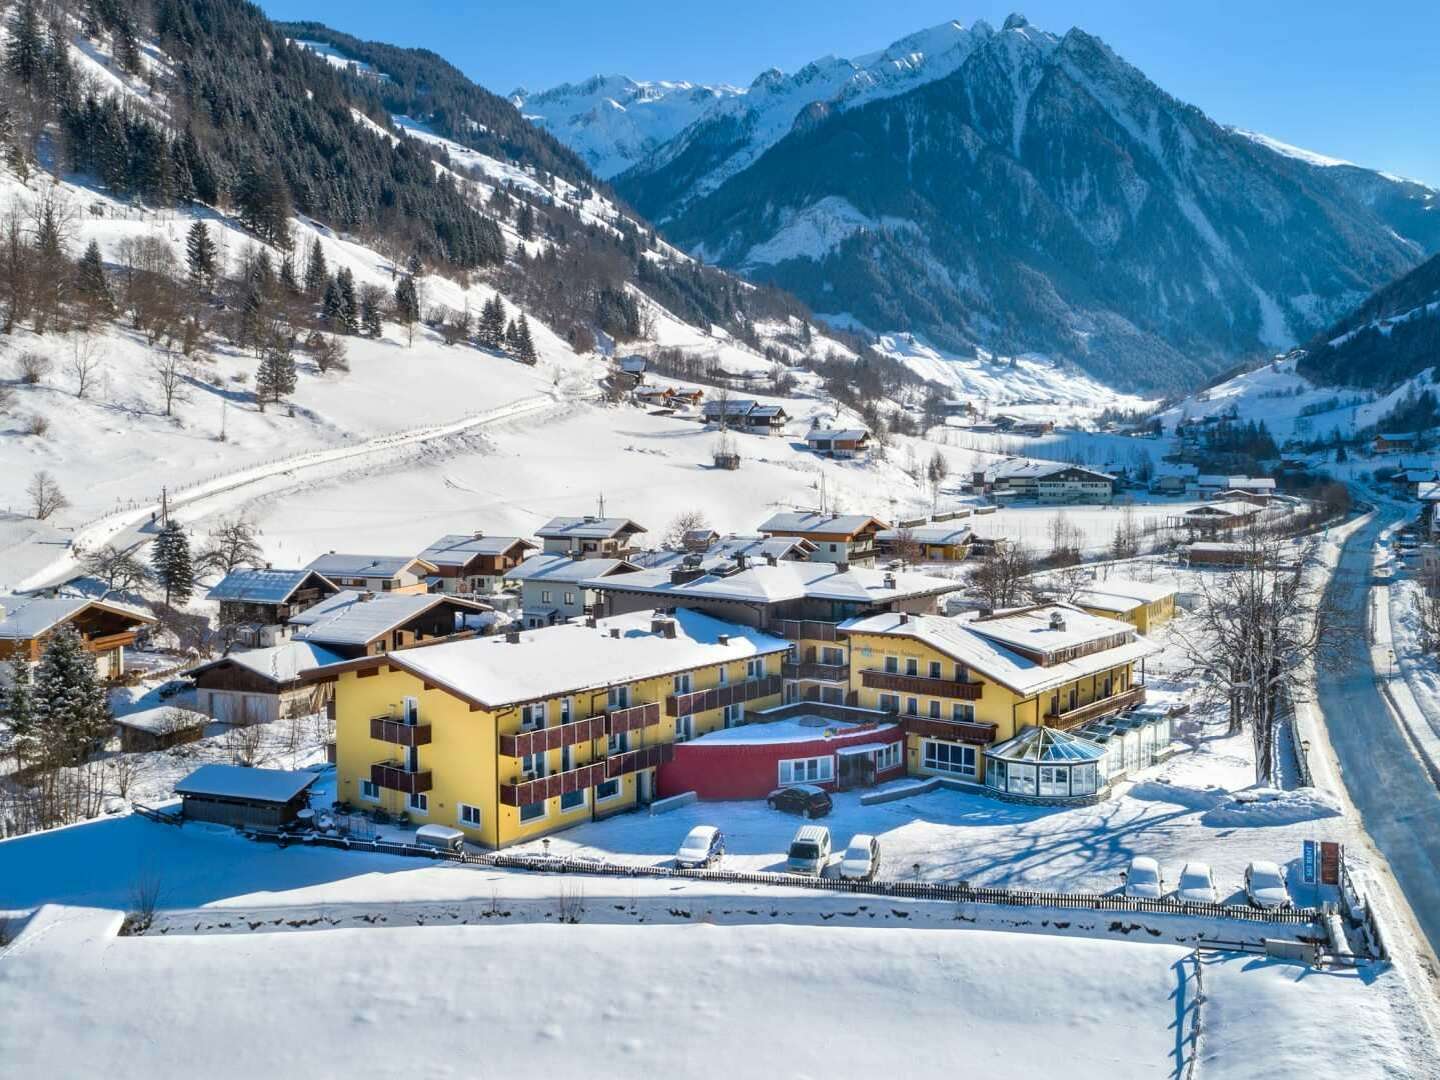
[
  {"x": 724, "y": 639},
  {"x": 904, "y": 617},
  {"x": 889, "y": 581},
  {"x": 741, "y": 561},
  {"x": 366, "y": 596},
  {"x": 1057, "y": 620},
  {"x": 681, "y": 576},
  {"x": 512, "y": 637},
  {"x": 477, "y": 535},
  {"x": 842, "y": 567},
  {"x": 986, "y": 612}
]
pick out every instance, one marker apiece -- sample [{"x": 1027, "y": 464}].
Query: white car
[
  {"x": 1197, "y": 886},
  {"x": 702, "y": 846},
  {"x": 1265, "y": 885},
  {"x": 1143, "y": 880},
  {"x": 862, "y": 858}
]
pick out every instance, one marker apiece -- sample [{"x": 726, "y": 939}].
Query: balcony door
[{"x": 410, "y": 711}]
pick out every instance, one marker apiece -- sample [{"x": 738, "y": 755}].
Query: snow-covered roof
[
  {"x": 279, "y": 664},
  {"x": 633, "y": 364},
  {"x": 23, "y": 618},
  {"x": 843, "y": 434},
  {"x": 730, "y": 407},
  {"x": 1217, "y": 545},
  {"x": 805, "y": 521},
  {"x": 335, "y": 564},
  {"x": 724, "y": 550},
  {"x": 786, "y": 580},
  {"x": 1115, "y": 594},
  {"x": 1399, "y": 436},
  {"x": 348, "y": 618},
  {"x": 1047, "y": 745},
  {"x": 262, "y": 586},
  {"x": 557, "y": 660},
  {"x": 162, "y": 719},
  {"x": 588, "y": 528},
  {"x": 458, "y": 549},
  {"x": 989, "y": 653},
  {"x": 1222, "y": 508},
  {"x": 928, "y": 534},
  {"x": 563, "y": 570},
  {"x": 791, "y": 729},
  {"x": 240, "y": 782}
]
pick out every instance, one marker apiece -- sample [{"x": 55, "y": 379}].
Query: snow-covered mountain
[
  {"x": 1019, "y": 191},
  {"x": 613, "y": 121}
]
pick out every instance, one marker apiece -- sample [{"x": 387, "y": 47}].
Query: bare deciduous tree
[
  {"x": 84, "y": 364},
  {"x": 682, "y": 523},
  {"x": 116, "y": 568},
  {"x": 169, "y": 371},
  {"x": 907, "y": 548},
  {"x": 229, "y": 545},
  {"x": 1001, "y": 579},
  {"x": 32, "y": 367},
  {"x": 45, "y": 496}
]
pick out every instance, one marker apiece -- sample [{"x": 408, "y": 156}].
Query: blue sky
[{"x": 1360, "y": 82}]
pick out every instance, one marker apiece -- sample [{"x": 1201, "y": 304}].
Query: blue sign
[{"x": 1310, "y": 862}]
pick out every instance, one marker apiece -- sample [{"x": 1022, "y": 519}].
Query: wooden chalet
[
  {"x": 27, "y": 623},
  {"x": 375, "y": 573},
  {"x": 362, "y": 624},
  {"x": 474, "y": 563},
  {"x": 259, "y": 603},
  {"x": 838, "y": 538}
]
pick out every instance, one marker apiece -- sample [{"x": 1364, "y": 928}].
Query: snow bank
[{"x": 1267, "y": 806}]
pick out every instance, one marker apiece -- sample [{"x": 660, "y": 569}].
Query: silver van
[{"x": 809, "y": 851}]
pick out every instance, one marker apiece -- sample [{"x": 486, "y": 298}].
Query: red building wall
[{"x": 722, "y": 770}]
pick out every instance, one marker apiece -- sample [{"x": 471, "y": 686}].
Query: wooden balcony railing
[
  {"x": 919, "y": 684},
  {"x": 552, "y": 738},
  {"x": 106, "y": 642},
  {"x": 394, "y": 776},
  {"x": 549, "y": 787},
  {"x": 635, "y": 718},
  {"x": 821, "y": 672},
  {"x": 720, "y": 696},
  {"x": 398, "y": 733},
  {"x": 934, "y": 727},
  {"x": 647, "y": 757},
  {"x": 1105, "y": 706},
  {"x": 809, "y": 629}
]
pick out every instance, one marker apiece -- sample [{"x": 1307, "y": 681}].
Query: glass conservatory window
[
  {"x": 1054, "y": 780},
  {"x": 1022, "y": 779}
]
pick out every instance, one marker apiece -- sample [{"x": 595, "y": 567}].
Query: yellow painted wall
[{"x": 1143, "y": 616}]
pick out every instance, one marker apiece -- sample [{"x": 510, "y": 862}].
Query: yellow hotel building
[{"x": 510, "y": 737}]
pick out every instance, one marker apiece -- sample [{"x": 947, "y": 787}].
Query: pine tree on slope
[
  {"x": 317, "y": 274},
  {"x": 71, "y": 711},
  {"x": 276, "y": 377},
  {"x": 200, "y": 256},
  {"x": 171, "y": 560},
  {"x": 524, "y": 343},
  {"x": 20, "y": 709},
  {"x": 407, "y": 305},
  {"x": 90, "y": 283}
]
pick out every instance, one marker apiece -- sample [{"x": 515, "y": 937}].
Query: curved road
[{"x": 1388, "y": 784}]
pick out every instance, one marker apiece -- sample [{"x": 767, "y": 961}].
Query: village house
[
  {"x": 702, "y": 552},
  {"x": 262, "y": 685},
  {"x": 589, "y": 535},
  {"x": 970, "y": 694},
  {"x": 1220, "y": 553},
  {"x": 475, "y": 563},
  {"x": 1142, "y": 604},
  {"x": 1047, "y": 481},
  {"x": 1174, "y": 479},
  {"x": 1210, "y": 518},
  {"x": 256, "y": 605},
  {"x": 27, "y": 623},
  {"x": 552, "y": 588},
  {"x": 839, "y": 442},
  {"x": 1389, "y": 442},
  {"x": 803, "y": 602},
  {"x": 355, "y": 623},
  {"x": 160, "y": 728},
  {"x": 956, "y": 407},
  {"x": 511, "y": 737},
  {"x": 747, "y": 415},
  {"x": 927, "y": 543},
  {"x": 1260, "y": 499},
  {"x": 374, "y": 573},
  {"x": 838, "y": 538}
]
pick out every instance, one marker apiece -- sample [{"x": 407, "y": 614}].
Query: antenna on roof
[{"x": 602, "y": 505}]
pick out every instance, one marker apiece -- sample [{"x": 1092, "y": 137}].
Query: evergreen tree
[
  {"x": 370, "y": 320},
  {"x": 524, "y": 343},
  {"x": 317, "y": 274},
  {"x": 20, "y": 708},
  {"x": 288, "y": 280},
  {"x": 171, "y": 560},
  {"x": 71, "y": 712},
  {"x": 349, "y": 307},
  {"x": 407, "y": 305},
  {"x": 333, "y": 304},
  {"x": 200, "y": 256},
  {"x": 492, "y": 323},
  {"x": 25, "y": 51},
  {"x": 276, "y": 377},
  {"x": 90, "y": 284},
  {"x": 512, "y": 340},
  {"x": 525, "y": 223}
]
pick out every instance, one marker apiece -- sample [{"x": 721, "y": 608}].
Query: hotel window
[
  {"x": 912, "y": 666},
  {"x": 469, "y": 815},
  {"x": 419, "y": 803},
  {"x": 682, "y": 683},
  {"x": 755, "y": 668},
  {"x": 963, "y": 712},
  {"x": 734, "y": 714},
  {"x": 369, "y": 791},
  {"x": 832, "y": 656},
  {"x": 607, "y": 789},
  {"x": 572, "y": 800},
  {"x": 935, "y": 669},
  {"x": 545, "y": 596},
  {"x": 620, "y": 743},
  {"x": 532, "y": 716},
  {"x": 724, "y": 675},
  {"x": 532, "y": 811},
  {"x": 887, "y": 758},
  {"x": 912, "y": 706},
  {"x": 570, "y": 599},
  {"x": 567, "y": 710},
  {"x": 889, "y": 703},
  {"x": 684, "y": 728},
  {"x": 807, "y": 770},
  {"x": 619, "y": 697},
  {"x": 948, "y": 757},
  {"x": 934, "y": 710},
  {"x": 533, "y": 763},
  {"x": 892, "y": 665}
]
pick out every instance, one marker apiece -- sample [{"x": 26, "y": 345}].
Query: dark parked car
[{"x": 807, "y": 800}]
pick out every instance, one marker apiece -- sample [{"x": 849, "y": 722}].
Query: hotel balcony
[
  {"x": 633, "y": 718},
  {"x": 1106, "y": 706},
  {"x": 935, "y": 727},
  {"x": 525, "y": 792},
  {"x": 919, "y": 684},
  {"x": 808, "y": 629},
  {"x": 387, "y": 729},
  {"x": 704, "y": 700},
  {"x": 817, "y": 672},
  {"x": 394, "y": 776},
  {"x": 541, "y": 739}
]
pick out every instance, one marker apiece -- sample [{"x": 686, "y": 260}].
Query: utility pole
[
  {"x": 602, "y": 504},
  {"x": 164, "y": 507}
]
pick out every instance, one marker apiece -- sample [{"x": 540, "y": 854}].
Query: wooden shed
[
  {"x": 159, "y": 728},
  {"x": 244, "y": 797}
]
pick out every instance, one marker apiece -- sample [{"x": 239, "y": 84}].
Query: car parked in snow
[
  {"x": 807, "y": 800},
  {"x": 1197, "y": 884},
  {"x": 861, "y": 861},
  {"x": 809, "y": 851},
  {"x": 1265, "y": 885},
  {"x": 703, "y": 845},
  {"x": 1143, "y": 879}
]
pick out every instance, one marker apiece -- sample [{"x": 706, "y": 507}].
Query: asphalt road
[{"x": 1387, "y": 783}]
